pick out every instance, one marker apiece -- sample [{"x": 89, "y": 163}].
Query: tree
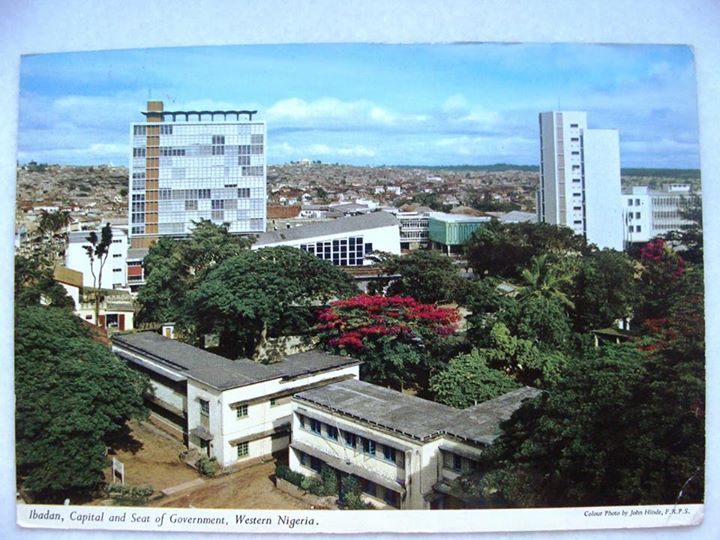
[
  {"x": 34, "y": 284},
  {"x": 569, "y": 446},
  {"x": 52, "y": 222},
  {"x": 245, "y": 296},
  {"x": 661, "y": 268},
  {"x": 394, "y": 336},
  {"x": 545, "y": 280},
  {"x": 99, "y": 249},
  {"x": 173, "y": 268},
  {"x": 502, "y": 249},
  {"x": 73, "y": 399},
  {"x": 427, "y": 276},
  {"x": 469, "y": 380},
  {"x": 690, "y": 235},
  {"x": 605, "y": 290}
]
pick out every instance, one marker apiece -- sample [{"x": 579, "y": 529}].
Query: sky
[{"x": 369, "y": 104}]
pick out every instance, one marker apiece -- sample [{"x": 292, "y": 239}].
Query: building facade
[
  {"x": 407, "y": 452},
  {"x": 188, "y": 166},
  {"x": 450, "y": 232},
  {"x": 345, "y": 241},
  {"x": 236, "y": 411},
  {"x": 114, "y": 274},
  {"x": 580, "y": 178},
  {"x": 649, "y": 213}
]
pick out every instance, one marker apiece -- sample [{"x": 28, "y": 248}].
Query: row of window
[
  {"x": 635, "y": 228},
  {"x": 342, "y": 252},
  {"x": 350, "y": 440},
  {"x": 458, "y": 463},
  {"x": 368, "y": 487}
]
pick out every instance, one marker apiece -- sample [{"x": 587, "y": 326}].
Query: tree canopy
[
  {"x": 73, "y": 397},
  {"x": 243, "y": 297},
  {"x": 34, "y": 284},
  {"x": 425, "y": 275},
  {"x": 394, "y": 336},
  {"x": 503, "y": 249}
]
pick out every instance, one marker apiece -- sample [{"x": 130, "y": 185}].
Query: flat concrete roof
[
  {"x": 415, "y": 417},
  {"x": 353, "y": 224},
  {"x": 220, "y": 372}
]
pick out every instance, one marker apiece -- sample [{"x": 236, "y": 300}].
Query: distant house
[
  {"x": 408, "y": 452},
  {"x": 115, "y": 270},
  {"x": 236, "y": 411}
]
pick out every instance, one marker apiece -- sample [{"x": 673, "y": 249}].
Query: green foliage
[
  {"x": 53, "y": 222},
  {"x": 328, "y": 480},
  {"x": 546, "y": 280},
  {"x": 605, "y": 290},
  {"x": 127, "y": 495},
  {"x": 34, "y": 283},
  {"x": 173, "y": 268},
  {"x": 350, "y": 494},
  {"x": 503, "y": 249},
  {"x": 569, "y": 447},
  {"x": 690, "y": 236},
  {"x": 98, "y": 248},
  {"x": 284, "y": 472},
  {"x": 469, "y": 380},
  {"x": 427, "y": 276},
  {"x": 73, "y": 397},
  {"x": 246, "y": 295},
  {"x": 207, "y": 466}
]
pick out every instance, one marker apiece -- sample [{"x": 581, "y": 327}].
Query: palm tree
[{"x": 546, "y": 280}]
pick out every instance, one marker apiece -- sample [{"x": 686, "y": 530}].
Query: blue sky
[{"x": 366, "y": 104}]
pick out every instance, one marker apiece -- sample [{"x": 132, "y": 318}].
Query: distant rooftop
[
  {"x": 457, "y": 218},
  {"x": 373, "y": 220},
  {"x": 217, "y": 371},
  {"x": 415, "y": 417}
]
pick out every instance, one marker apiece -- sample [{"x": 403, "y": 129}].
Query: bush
[
  {"x": 328, "y": 479},
  {"x": 207, "y": 466},
  {"x": 284, "y": 472},
  {"x": 350, "y": 498},
  {"x": 129, "y": 495}
]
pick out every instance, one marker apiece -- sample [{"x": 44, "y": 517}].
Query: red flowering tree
[
  {"x": 661, "y": 269},
  {"x": 393, "y": 335}
]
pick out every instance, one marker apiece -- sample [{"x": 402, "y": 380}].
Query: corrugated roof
[
  {"x": 373, "y": 220},
  {"x": 220, "y": 372}
]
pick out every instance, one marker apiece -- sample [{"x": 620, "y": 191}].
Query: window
[
  {"x": 244, "y": 193},
  {"x": 573, "y": 125},
  {"x": 368, "y": 248},
  {"x": 116, "y": 255},
  {"x": 218, "y": 139},
  {"x": 368, "y": 446},
  {"x": 301, "y": 419},
  {"x": 191, "y": 205},
  {"x": 315, "y": 426},
  {"x": 138, "y": 152},
  {"x": 391, "y": 497},
  {"x": 350, "y": 439},
  {"x": 630, "y": 202},
  {"x": 637, "y": 215},
  {"x": 303, "y": 457},
  {"x": 242, "y": 411},
  {"x": 242, "y": 450},
  {"x": 166, "y": 130},
  {"x": 637, "y": 202},
  {"x": 117, "y": 269},
  {"x": 273, "y": 402},
  {"x": 218, "y": 205},
  {"x": 638, "y": 228},
  {"x": 332, "y": 433},
  {"x": 315, "y": 464},
  {"x": 139, "y": 130},
  {"x": 390, "y": 454},
  {"x": 204, "y": 407},
  {"x": 456, "y": 463},
  {"x": 631, "y": 228}
]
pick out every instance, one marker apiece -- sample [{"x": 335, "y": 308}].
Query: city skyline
[{"x": 363, "y": 104}]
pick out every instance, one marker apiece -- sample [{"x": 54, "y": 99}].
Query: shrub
[
  {"x": 350, "y": 498},
  {"x": 328, "y": 479},
  {"x": 284, "y": 472},
  {"x": 129, "y": 495},
  {"x": 207, "y": 466}
]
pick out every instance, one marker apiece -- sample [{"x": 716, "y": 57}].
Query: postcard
[{"x": 300, "y": 288}]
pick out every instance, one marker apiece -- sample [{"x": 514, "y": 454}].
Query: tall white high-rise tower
[{"x": 580, "y": 178}]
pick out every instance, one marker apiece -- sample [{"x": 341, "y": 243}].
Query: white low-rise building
[
  {"x": 407, "y": 452},
  {"x": 114, "y": 274},
  {"x": 344, "y": 241},
  {"x": 649, "y": 213},
  {"x": 236, "y": 411}
]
